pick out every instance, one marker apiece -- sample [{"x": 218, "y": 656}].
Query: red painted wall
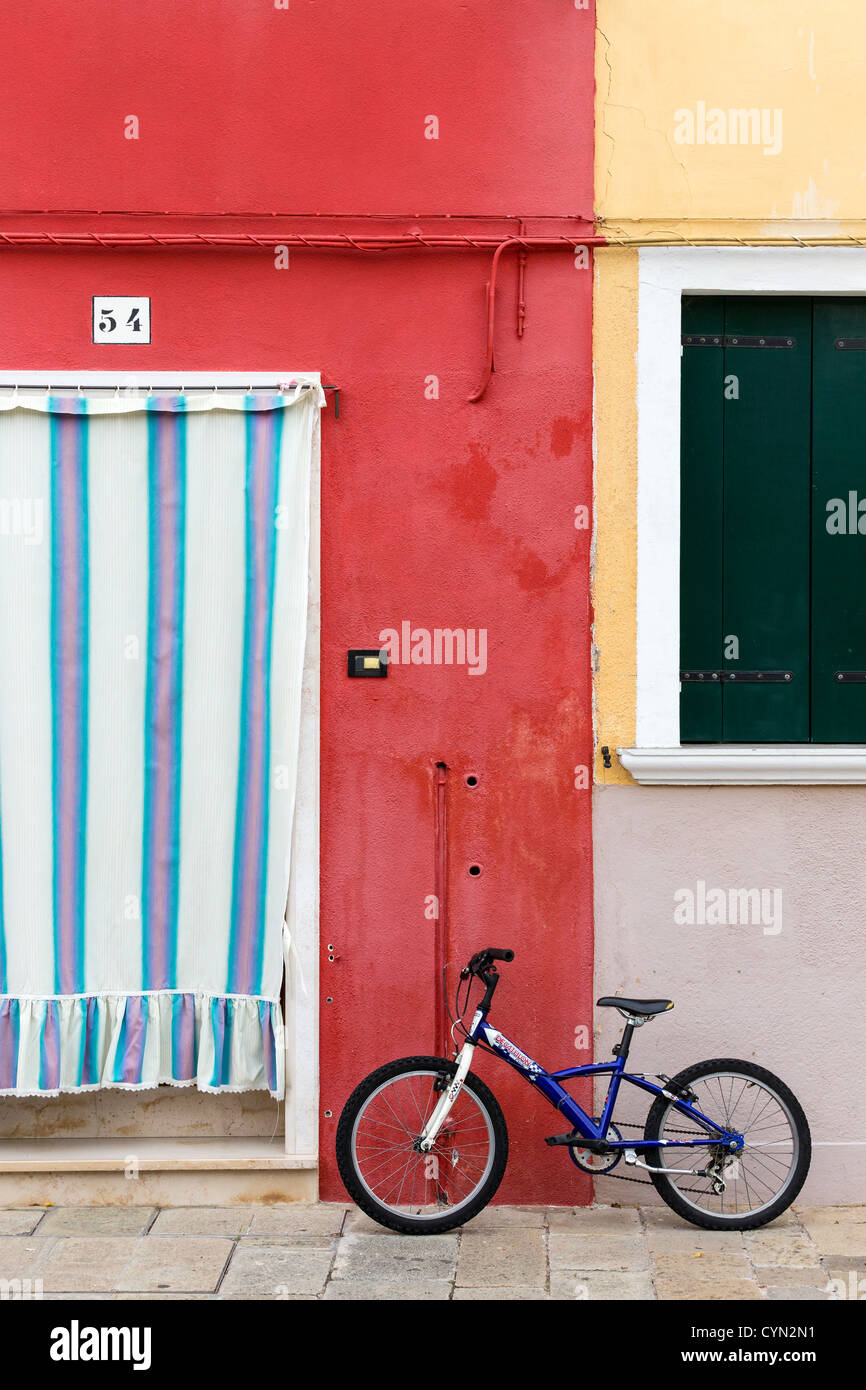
[{"x": 437, "y": 512}]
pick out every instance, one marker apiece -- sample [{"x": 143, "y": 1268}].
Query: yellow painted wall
[
  {"x": 804, "y": 61},
  {"x": 614, "y": 567},
  {"x": 804, "y": 65}
]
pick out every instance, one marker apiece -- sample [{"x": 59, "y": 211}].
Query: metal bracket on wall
[
  {"x": 737, "y": 340},
  {"x": 850, "y": 677},
  {"x": 851, "y": 344},
  {"x": 741, "y": 677}
]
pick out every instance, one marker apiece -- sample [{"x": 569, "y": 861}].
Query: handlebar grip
[{"x": 495, "y": 953}]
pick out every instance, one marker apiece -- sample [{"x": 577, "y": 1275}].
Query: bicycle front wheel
[
  {"x": 760, "y": 1182},
  {"x": 385, "y": 1173}
]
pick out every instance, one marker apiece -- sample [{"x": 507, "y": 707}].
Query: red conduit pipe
[
  {"x": 440, "y": 884},
  {"x": 338, "y": 241}
]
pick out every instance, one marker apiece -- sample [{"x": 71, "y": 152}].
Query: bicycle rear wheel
[
  {"x": 759, "y": 1183},
  {"x": 389, "y": 1178}
]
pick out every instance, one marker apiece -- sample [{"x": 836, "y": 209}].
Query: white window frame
[
  {"x": 666, "y": 274},
  {"x": 302, "y": 1021}
]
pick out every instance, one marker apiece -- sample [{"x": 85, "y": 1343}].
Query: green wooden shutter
[
  {"x": 745, "y": 519},
  {"x": 701, "y": 426},
  {"x": 766, "y": 507},
  {"x": 839, "y": 534}
]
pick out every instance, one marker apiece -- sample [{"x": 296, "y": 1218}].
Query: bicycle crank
[{"x": 590, "y": 1162}]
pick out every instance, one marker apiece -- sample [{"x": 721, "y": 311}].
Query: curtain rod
[{"x": 271, "y": 388}]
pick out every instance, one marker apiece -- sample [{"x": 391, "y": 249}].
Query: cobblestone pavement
[{"x": 328, "y": 1251}]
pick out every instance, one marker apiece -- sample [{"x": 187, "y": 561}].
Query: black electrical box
[{"x": 368, "y": 664}]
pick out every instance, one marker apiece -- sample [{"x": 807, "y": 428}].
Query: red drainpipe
[{"x": 440, "y": 940}]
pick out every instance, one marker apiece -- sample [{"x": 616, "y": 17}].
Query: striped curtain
[{"x": 153, "y": 600}]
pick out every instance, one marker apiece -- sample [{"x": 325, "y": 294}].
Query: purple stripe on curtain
[
  {"x": 161, "y": 848},
  {"x": 9, "y": 1030},
  {"x": 266, "y": 1018},
  {"x": 49, "y": 1061},
  {"x": 133, "y": 1038},
  {"x": 264, "y": 436},
  {"x": 183, "y": 1048},
  {"x": 90, "y": 1062}
]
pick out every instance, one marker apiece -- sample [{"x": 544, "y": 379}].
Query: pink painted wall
[
  {"x": 785, "y": 992},
  {"x": 437, "y": 512}
]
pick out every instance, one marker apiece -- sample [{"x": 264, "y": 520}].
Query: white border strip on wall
[
  {"x": 302, "y": 1025},
  {"x": 665, "y": 274}
]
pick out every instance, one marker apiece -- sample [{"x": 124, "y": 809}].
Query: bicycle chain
[{"x": 647, "y": 1182}]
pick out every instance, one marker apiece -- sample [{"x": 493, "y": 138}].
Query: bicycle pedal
[{"x": 575, "y": 1140}]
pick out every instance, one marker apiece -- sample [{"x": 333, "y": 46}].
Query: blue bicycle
[{"x": 422, "y": 1143}]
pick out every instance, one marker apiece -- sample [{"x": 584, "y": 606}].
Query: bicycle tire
[
  {"x": 746, "y": 1221},
  {"x": 359, "y": 1191}
]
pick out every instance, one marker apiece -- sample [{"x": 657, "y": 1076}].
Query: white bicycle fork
[{"x": 447, "y": 1099}]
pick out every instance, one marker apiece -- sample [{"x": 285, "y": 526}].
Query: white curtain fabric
[{"x": 154, "y": 557}]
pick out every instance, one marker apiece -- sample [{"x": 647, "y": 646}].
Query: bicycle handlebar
[{"x": 482, "y": 960}]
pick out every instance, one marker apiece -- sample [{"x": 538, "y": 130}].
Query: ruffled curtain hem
[{"x": 135, "y": 1042}]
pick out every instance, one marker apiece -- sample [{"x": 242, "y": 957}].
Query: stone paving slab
[
  {"x": 595, "y": 1221},
  {"x": 97, "y": 1221},
  {"x": 21, "y": 1256},
  {"x": 178, "y": 1264},
  {"x": 299, "y": 1219},
  {"x": 94, "y": 1264},
  {"x": 20, "y": 1223},
  {"x": 203, "y": 1221},
  {"x": 361, "y": 1290},
  {"x": 276, "y": 1271},
  {"x": 308, "y": 1252},
  {"x": 507, "y": 1256},
  {"x": 587, "y": 1284},
  {"x": 503, "y": 1294},
  {"x": 721, "y": 1290},
  {"x": 602, "y": 1251},
  {"x": 395, "y": 1259}
]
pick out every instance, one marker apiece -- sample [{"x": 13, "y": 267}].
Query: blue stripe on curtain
[
  {"x": 69, "y": 683},
  {"x": 264, "y": 439},
  {"x": 166, "y": 466}
]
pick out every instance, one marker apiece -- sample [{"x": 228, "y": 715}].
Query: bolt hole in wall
[
  {"x": 474, "y": 870},
  {"x": 472, "y": 780}
]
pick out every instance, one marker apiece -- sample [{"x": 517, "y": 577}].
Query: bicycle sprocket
[{"x": 590, "y": 1162}]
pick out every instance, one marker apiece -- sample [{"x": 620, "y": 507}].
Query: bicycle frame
[{"x": 548, "y": 1083}]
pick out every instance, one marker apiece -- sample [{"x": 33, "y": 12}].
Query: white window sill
[{"x": 747, "y": 765}]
